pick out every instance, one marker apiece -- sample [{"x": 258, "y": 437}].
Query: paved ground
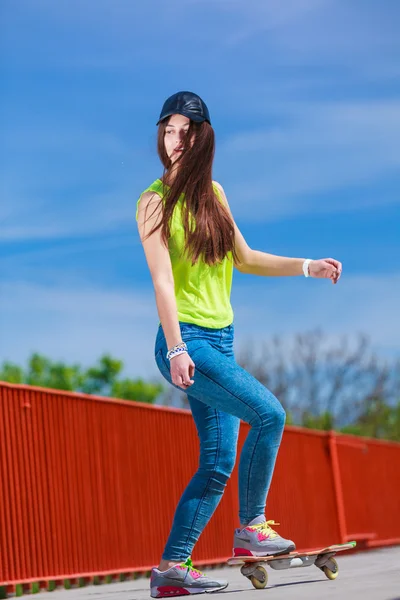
[{"x": 373, "y": 575}]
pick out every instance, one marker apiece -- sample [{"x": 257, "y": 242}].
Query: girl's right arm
[{"x": 159, "y": 262}]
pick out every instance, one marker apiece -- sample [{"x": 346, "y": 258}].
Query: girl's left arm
[{"x": 255, "y": 262}]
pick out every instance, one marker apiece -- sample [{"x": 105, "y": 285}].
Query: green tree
[
  {"x": 103, "y": 378},
  {"x": 378, "y": 420},
  {"x": 139, "y": 390},
  {"x": 11, "y": 373},
  {"x": 43, "y": 372},
  {"x": 323, "y": 421}
]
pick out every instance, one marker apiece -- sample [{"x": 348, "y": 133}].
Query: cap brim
[{"x": 196, "y": 118}]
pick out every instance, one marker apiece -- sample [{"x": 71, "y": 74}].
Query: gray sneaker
[
  {"x": 183, "y": 580},
  {"x": 259, "y": 539}
]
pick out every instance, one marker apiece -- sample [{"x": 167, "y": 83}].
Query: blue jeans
[{"x": 222, "y": 394}]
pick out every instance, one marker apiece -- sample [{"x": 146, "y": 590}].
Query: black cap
[{"x": 187, "y": 104}]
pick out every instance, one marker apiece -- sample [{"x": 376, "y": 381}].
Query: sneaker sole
[
  {"x": 245, "y": 552},
  {"x": 172, "y": 591}
]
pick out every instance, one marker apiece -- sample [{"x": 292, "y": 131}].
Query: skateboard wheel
[
  {"x": 331, "y": 573},
  {"x": 259, "y": 579}
]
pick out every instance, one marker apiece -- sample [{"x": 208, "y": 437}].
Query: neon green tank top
[{"x": 202, "y": 291}]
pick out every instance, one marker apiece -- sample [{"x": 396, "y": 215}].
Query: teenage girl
[{"x": 192, "y": 243}]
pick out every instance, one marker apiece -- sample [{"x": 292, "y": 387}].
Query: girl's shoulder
[
  {"x": 217, "y": 185},
  {"x": 219, "y": 190},
  {"x": 156, "y": 187}
]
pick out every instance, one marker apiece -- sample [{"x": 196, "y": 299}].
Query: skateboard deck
[
  {"x": 252, "y": 566},
  {"x": 236, "y": 560}
]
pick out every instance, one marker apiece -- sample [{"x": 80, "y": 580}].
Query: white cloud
[
  {"x": 315, "y": 32},
  {"x": 294, "y": 32},
  {"x": 342, "y": 33},
  {"x": 78, "y": 323},
  {"x": 95, "y": 214},
  {"x": 32, "y": 260},
  {"x": 312, "y": 147},
  {"x": 357, "y": 304},
  {"x": 317, "y": 147},
  {"x": 105, "y": 36},
  {"x": 50, "y": 136},
  {"x": 265, "y": 17},
  {"x": 52, "y": 179},
  {"x": 315, "y": 125}
]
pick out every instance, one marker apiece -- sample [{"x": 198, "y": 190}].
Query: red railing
[{"x": 89, "y": 487}]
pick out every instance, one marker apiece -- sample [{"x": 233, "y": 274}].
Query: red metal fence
[{"x": 89, "y": 486}]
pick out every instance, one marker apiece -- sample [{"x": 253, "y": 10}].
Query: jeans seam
[
  {"x": 248, "y": 475},
  {"x": 225, "y": 390},
  {"x": 207, "y": 485}
]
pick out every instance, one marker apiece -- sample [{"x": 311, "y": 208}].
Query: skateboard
[{"x": 323, "y": 559}]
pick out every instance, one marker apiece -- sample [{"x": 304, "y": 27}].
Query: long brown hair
[{"x": 213, "y": 235}]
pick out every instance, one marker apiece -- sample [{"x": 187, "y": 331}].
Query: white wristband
[
  {"x": 178, "y": 349},
  {"x": 305, "y": 267}
]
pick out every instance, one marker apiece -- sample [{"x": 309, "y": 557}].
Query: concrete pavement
[{"x": 372, "y": 575}]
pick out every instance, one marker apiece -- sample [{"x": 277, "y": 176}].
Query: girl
[{"x": 192, "y": 243}]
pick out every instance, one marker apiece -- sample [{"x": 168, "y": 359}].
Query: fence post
[{"x": 337, "y": 483}]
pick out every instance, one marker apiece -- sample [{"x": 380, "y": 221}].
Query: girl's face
[{"x": 175, "y": 133}]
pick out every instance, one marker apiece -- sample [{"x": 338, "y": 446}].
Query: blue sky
[{"x": 304, "y": 97}]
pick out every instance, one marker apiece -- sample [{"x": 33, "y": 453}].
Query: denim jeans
[{"x": 222, "y": 394}]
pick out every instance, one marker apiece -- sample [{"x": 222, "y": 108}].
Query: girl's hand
[
  {"x": 182, "y": 369},
  {"x": 326, "y": 268}
]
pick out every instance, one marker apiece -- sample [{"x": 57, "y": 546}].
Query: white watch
[{"x": 306, "y": 264}]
